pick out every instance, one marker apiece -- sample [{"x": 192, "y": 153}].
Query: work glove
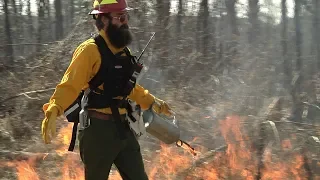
[
  {"x": 161, "y": 107},
  {"x": 48, "y": 127}
]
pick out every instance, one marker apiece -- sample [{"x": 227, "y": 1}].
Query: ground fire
[{"x": 237, "y": 159}]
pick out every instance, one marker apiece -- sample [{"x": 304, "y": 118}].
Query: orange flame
[
  {"x": 239, "y": 161},
  {"x": 71, "y": 169},
  {"x": 25, "y": 171},
  {"x": 285, "y": 170},
  {"x": 239, "y": 157},
  {"x": 286, "y": 144},
  {"x": 169, "y": 162}
]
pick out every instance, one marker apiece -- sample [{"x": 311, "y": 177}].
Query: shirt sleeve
[
  {"x": 142, "y": 97},
  {"x": 84, "y": 65}
]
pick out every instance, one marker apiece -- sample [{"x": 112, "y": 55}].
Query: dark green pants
[{"x": 100, "y": 147}]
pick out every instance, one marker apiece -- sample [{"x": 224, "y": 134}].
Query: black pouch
[{"x": 72, "y": 112}]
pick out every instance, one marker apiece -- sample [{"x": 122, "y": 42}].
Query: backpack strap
[
  {"x": 73, "y": 136},
  {"x": 98, "y": 80},
  {"x": 95, "y": 82},
  {"x": 105, "y": 52}
]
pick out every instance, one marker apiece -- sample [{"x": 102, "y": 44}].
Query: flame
[
  {"x": 63, "y": 139},
  {"x": 71, "y": 169},
  {"x": 166, "y": 165},
  {"x": 238, "y": 161},
  {"x": 25, "y": 171},
  {"x": 286, "y": 144},
  {"x": 285, "y": 170}
]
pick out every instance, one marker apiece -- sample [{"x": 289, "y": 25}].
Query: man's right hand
[{"x": 48, "y": 127}]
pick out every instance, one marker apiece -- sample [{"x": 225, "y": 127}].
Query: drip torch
[
  {"x": 162, "y": 127},
  {"x": 165, "y": 129}
]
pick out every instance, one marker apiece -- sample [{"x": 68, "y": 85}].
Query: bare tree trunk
[
  {"x": 316, "y": 29},
  {"x": 203, "y": 27},
  {"x": 213, "y": 33},
  {"x": 15, "y": 11},
  {"x": 284, "y": 43},
  {"x": 253, "y": 21},
  {"x": 59, "y": 19},
  {"x": 178, "y": 35},
  {"x": 21, "y": 24},
  {"x": 30, "y": 21},
  {"x": 298, "y": 34},
  {"x": 16, "y": 24},
  {"x": 20, "y": 6},
  {"x": 49, "y": 36},
  {"x": 163, "y": 15},
  {"x": 298, "y": 78},
  {"x": 267, "y": 37},
  {"x": 40, "y": 23},
  {"x": 8, "y": 49},
  {"x": 30, "y": 27},
  {"x": 220, "y": 33},
  {"x": 71, "y": 12},
  {"x": 179, "y": 17},
  {"x": 232, "y": 15}
]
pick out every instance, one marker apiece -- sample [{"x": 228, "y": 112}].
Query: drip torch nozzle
[{"x": 186, "y": 146}]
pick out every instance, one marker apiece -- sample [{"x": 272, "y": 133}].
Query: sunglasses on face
[{"x": 121, "y": 17}]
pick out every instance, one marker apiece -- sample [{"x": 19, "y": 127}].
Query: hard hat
[{"x": 107, "y": 6}]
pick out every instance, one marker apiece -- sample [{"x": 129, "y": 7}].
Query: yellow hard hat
[{"x": 107, "y": 6}]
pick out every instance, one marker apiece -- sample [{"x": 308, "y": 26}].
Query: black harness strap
[
  {"x": 95, "y": 82},
  {"x": 105, "y": 52},
  {"x": 74, "y": 136},
  {"x": 98, "y": 79},
  {"x": 75, "y": 124}
]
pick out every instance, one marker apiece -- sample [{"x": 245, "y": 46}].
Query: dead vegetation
[{"x": 215, "y": 110}]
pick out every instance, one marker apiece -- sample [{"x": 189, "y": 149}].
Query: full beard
[{"x": 119, "y": 36}]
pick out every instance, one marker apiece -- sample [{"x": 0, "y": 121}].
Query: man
[{"x": 101, "y": 143}]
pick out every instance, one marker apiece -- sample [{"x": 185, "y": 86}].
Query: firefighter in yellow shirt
[{"x": 107, "y": 139}]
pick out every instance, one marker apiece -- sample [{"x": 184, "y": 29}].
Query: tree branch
[
  {"x": 43, "y": 44},
  {"x": 26, "y": 94}
]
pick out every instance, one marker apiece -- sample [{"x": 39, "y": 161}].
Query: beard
[{"x": 119, "y": 36}]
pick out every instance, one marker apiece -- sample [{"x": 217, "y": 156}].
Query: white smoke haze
[{"x": 218, "y": 70}]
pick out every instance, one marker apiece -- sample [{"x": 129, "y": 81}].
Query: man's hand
[
  {"x": 48, "y": 127},
  {"x": 161, "y": 107}
]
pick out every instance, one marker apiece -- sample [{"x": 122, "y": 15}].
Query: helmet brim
[{"x": 96, "y": 11}]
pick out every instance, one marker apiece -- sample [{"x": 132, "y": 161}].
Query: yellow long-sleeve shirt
[{"x": 85, "y": 64}]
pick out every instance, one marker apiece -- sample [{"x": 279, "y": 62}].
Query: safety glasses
[{"x": 122, "y": 17}]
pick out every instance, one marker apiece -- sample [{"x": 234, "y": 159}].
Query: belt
[{"x": 103, "y": 116}]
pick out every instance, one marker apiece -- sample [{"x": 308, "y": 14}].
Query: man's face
[{"x": 118, "y": 30}]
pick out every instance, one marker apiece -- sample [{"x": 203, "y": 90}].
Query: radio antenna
[{"x": 146, "y": 46}]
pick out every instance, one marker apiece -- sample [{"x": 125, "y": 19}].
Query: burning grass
[{"x": 238, "y": 160}]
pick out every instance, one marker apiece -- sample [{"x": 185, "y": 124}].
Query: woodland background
[{"x": 209, "y": 59}]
